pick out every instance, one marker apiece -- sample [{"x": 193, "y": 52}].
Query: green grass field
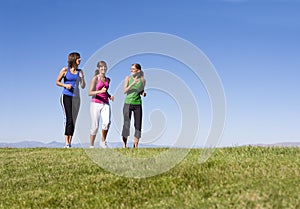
[{"x": 238, "y": 177}]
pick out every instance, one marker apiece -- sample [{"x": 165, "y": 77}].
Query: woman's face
[
  {"x": 102, "y": 69},
  {"x": 78, "y": 60},
  {"x": 133, "y": 70}
]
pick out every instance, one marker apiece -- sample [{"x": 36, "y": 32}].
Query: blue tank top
[{"x": 72, "y": 79}]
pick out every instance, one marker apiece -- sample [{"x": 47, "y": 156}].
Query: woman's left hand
[{"x": 112, "y": 98}]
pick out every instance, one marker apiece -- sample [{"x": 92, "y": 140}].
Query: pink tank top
[{"x": 103, "y": 97}]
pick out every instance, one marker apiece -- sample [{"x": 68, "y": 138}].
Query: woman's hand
[
  {"x": 103, "y": 90},
  {"x": 112, "y": 98},
  {"x": 68, "y": 86}
]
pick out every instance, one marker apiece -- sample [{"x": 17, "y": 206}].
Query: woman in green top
[{"x": 134, "y": 87}]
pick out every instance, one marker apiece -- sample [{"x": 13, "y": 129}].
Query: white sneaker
[
  {"x": 92, "y": 147},
  {"x": 103, "y": 144}
]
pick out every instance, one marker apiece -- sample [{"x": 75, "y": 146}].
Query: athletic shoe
[
  {"x": 92, "y": 147},
  {"x": 103, "y": 144},
  {"x": 67, "y": 146}
]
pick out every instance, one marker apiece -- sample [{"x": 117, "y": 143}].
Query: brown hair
[
  {"x": 101, "y": 63},
  {"x": 72, "y": 59},
  {"x": 137, "y": 66},
  {"x": 98, "y": 65}
]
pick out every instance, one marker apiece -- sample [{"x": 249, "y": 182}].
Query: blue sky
[{"x": 253, "y": 45}]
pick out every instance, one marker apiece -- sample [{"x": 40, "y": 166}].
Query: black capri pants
[{"x": 137, "y": 114}]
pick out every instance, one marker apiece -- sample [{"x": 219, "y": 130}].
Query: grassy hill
[{"x": 239, "y": 177}]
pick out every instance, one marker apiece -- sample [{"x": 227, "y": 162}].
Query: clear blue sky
[{"x": 253, "y": 45}]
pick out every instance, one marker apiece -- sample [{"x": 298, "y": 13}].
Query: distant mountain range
[
  {"x": 280, "y": 144},
  {"x": 33, "y": 144},
  {"x": 55, "y": 144}
]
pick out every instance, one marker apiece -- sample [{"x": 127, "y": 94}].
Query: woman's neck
[
  {"x": 102, "y": 77},
  {"x": 73, "y": 70}
]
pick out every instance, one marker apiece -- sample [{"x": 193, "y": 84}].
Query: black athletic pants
[
  {"x": 70, "y": 107},
  {"x": 137, "y": 113}
]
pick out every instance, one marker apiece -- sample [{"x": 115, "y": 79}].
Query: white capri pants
[{"x": 98, "y": 110}]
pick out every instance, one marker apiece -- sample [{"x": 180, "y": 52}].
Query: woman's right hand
[
  {"x": 68, "y": 86},
  {"x": 103, "y": 90}
]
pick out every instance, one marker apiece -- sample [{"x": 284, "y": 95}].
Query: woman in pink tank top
[{"x": 100, "y": 104}]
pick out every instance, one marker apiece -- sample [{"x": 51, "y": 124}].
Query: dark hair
[
  {"x": 137, "y": 66},
  {"x": 72, "y": 59},
  {"x": 139, "y": 74}
]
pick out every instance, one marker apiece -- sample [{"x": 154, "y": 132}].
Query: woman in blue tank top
[{"x": 70, "y": 98}]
